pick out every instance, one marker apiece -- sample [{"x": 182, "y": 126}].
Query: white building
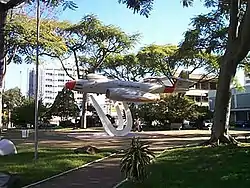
[
  {"x": 199, "y": 91},
  {"x": 51, "y": 81}
]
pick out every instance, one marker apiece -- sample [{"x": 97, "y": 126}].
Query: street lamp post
[
  {"x": 2, "y": 60},
  {"x": 37, "y": 71}
]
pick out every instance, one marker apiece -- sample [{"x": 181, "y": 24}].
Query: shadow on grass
[
  {"x": 51, "y": 162},
  {"x": 197, "y": 167}
]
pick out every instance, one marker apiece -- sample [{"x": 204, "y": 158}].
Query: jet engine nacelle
[{"x": 119, "y": 94}]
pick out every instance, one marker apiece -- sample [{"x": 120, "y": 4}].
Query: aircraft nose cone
[{"x": 70, "y": 85}]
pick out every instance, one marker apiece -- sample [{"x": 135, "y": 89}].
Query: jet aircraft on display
[{"x": 147, "y": 90}]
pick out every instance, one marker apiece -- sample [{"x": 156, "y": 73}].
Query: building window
[
  {"x": 50, "y": 80},
  {"x": 60, "y": 74},
  {"x": 60, "y": 80},
  {"x": 48, "y": 86},
  {"x": 247, "y": 81},
  {"x": 50, "y": 74}
]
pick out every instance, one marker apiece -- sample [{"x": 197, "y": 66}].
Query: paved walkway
[{"x": 106, "y": 173}]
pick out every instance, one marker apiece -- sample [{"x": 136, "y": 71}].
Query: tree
[
  {"x": 227, "y": 26},
  {"x": 64, "y": 105},
  {"x": 13, "y": 98},
  {"x": 21, "y": 39},
  {"x": 125, "y": 67},
  {"x": 90, "y": 42},
  {"x": 158, "y": 60},
  {"x": 167, "y": 60},
  {"x": 24, "y": 114},
  {"x": 5, "y": 6},
  {"x": 171, "y": 109}
]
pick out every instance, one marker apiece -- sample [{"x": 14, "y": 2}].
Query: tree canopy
[
  {"x": 24, "y": 114},
  {"x": 13, "y": 98},
  {"x": 21, "y": 39},
  {"x": 125, "y": 67},
  {"x": 171, "y": 109},
  {"x": 13, "y": 3},
  {"x": 90, "y": 42},
  {"x": 224, "y": 31},
  {"x": 64, "y": 105},
  {"x": 159, "y": 60}
]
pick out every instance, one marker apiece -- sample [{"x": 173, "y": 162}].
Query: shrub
[{"x": 136, "y": 160}]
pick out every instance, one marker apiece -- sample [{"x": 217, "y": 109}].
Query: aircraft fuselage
[{"x": 101, "y": 86}]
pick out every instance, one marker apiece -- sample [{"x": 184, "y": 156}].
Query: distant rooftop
[{"x": 198, "y": 76}]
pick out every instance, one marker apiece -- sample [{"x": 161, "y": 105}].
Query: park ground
[{"x": 174, "y": 168}]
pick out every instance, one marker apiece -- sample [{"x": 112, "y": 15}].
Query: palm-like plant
[{"x": 135, "y": 161}]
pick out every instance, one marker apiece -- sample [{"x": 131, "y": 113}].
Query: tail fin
[{"x": 183, "y": 83}]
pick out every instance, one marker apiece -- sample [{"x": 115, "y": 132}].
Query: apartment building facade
[
  {"x": 51, "y": 81},
  {"x": 199, "y": 91}
]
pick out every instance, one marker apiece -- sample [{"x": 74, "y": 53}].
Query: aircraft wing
[{"x": 130, "y": 95}]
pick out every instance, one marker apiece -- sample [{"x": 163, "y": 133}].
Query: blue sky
[{"x": 166, "y": 25}]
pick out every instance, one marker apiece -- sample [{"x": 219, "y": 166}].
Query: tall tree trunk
[
  {"x": 223, "y": 101},
  {"x": 3, "y": 16},
  {"x": 236, "y": 50},
  {"x": 84, "y": 111}
]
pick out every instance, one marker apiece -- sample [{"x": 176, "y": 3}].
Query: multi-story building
[
  {"x": 32, "y": 83},
  {"x": 199, "y": 91},
  {"x": 51, "y": 81}
]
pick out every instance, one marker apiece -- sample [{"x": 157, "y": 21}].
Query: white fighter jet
[{"x": 147, "y": 90}]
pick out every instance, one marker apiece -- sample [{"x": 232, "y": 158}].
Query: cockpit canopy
[{"x": 95, "y": 77}]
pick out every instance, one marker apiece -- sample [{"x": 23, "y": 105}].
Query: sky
[{"x": 166, "y": 25}]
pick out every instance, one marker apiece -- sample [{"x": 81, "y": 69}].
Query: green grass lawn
[
  {"x": 51, "y": 161},
  {"x": 200, "y": 167}
]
